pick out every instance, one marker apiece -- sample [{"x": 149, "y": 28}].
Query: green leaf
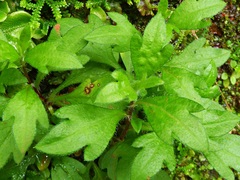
[
  {"x": 154, "y": 37},
  {"x": 118, "y": 36},
  {"x": 48, "y": 56},
  {"x": 150, "y": 52},
  {"x": 99, "y": 12},
  {"x": 210, "y": 74},
  {"x": 26, "y": 109},
  {"x": 192, "y": 73},
  {"x": 150, "y": 159},
  {"x": 2, "y": 36},
  {"x": 3, "y": 16},
  {"x": 100, "y": 53},
  {"x": 92, "y": 71},
  {"x": 98, "y": 173},
  {"x": 25, "y": 38},
  {"x": 162, "y": 174},
  {"x": 15, "y": 22},
  {"x": 86, "y": 92},
  {"x": 136, "y": 124},
  {"x": 93, "y": 128},
  {"x": 17, "y": 171},
  {"x": 12, "y": 76},
  {"x": 7, "y": 52},
  {"x": 224, "y": 153},
  {"x": 217, "y": 122},
  {"x": 74, "y": 39},
  {"x": 66, "y": 167},
  {"x": 163, "y": 7},
  {"x": 126, "y": 58},
  {"x": 117, "y": 91},
  {"x": 3, "y": 103},
  {"x": 171, "y": 116},
  {"x": 4, "y": 7},
  {"x": 191, "y": 14},
  {"x": 150, "y": 82},
  {"x": 196, "y": 58},
  {"x": 8, "y": 143},
  {"x": 118, "y": 160},
  {"x": 66, "y": 24}
]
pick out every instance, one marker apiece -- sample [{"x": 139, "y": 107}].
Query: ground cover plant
[{"x": 99, "y": 100}]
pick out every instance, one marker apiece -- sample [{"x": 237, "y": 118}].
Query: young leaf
[
  {"x": 150, "y": 82},
  {"x": 118, "y": 36},
  {"x": 150, "y": 159},
  {"x": 171, "y": 116},
  {"x": 154, "y": 37},
  {"x": 117, "y": 91},
  {"x": 88, "y": 125},
  {"x": 150, "y": 52},
  {"x": 191, "y": 14},
  {"x": 66, "y": 167},
  {"x": 48, "y": 56},
  {"x": 26, "y": 109},
  {"x": 136, "y": 124},
  {"x": 224, "y": 153}
]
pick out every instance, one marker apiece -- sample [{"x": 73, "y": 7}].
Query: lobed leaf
[
  {"x": 150, "y": 159},
  {"x": 49, "y": 57},
  {"x": 118, "y": 36},
  {"x": 171, "y": 117},
  {"x": 26, "y": 109},
  {"x": 196, "y": 58},
  {"x": 88, "y": 125},
  {"x": 224, "y": 153},
  {"x": 218, "y": 122},
  {"x": 191, "y": 14}
]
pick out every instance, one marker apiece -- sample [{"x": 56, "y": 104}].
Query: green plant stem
[
  {"x": 127, "y": 120},
  {"x": 31, "y": 83}
]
